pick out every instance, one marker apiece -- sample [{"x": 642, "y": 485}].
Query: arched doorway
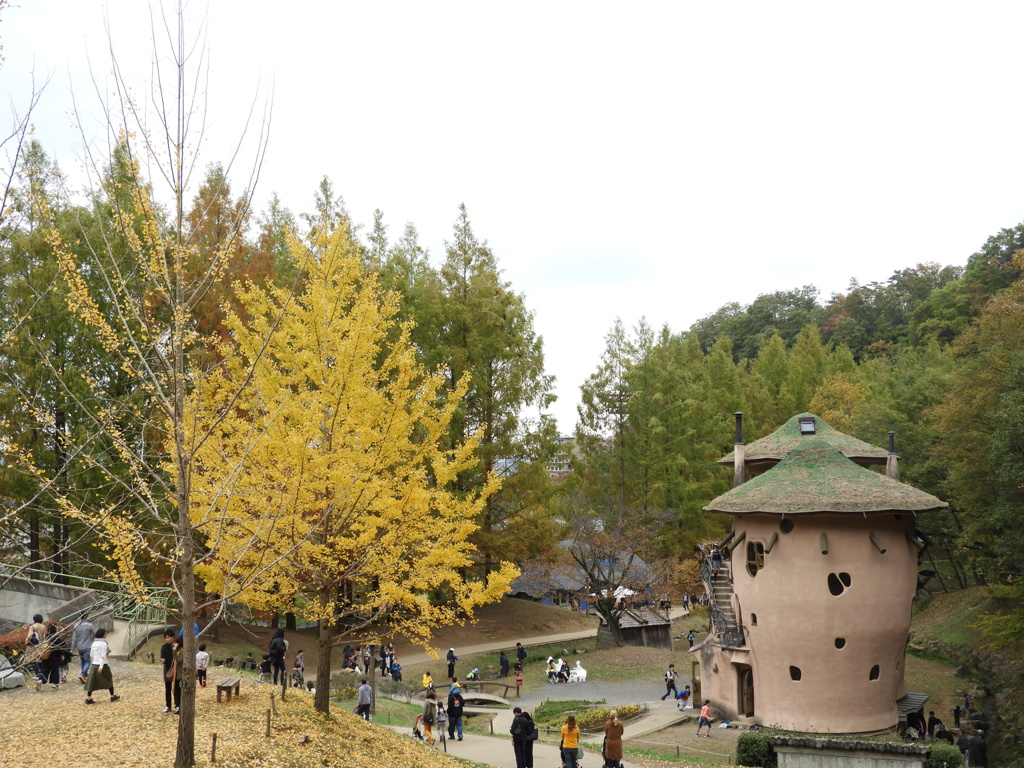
[{"x": 745, "y": 679}]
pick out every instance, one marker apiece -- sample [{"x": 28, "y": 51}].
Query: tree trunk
[
  {"x": 185, "y": 756},
  {"x": 322, "y": 699},
  {"x": 289, "y": 621}
]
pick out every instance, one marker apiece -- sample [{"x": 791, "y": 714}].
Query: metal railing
[
  {"x": 731, "y": 632},
  {"x": 126, "y": 605}
]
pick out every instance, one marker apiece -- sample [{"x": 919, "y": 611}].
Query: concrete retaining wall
[
  {"x": 825, "y": 757},
  {"x": 20, "y": 599}
]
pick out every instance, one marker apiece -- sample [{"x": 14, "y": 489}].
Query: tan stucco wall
[{"x": 798, "y": 621}]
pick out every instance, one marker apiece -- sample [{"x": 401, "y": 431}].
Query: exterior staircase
[
  {"x": 723, "y": 615},
  {"x": 721, "y": 594}
]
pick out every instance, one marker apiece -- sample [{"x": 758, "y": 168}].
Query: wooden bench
[
  {"x": 468, "y": 684},
  {"x": 231, "y": 684}
]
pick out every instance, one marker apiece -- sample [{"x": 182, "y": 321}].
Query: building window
[
  {"x": 753, "y": 619},
  {"x": 874, "y": 673},
  {"x": 786, "y": 525},
  {"x": 808, "y": 426},
  {"x": 755, "y": 557},
  {"x": 838, "y": 582},
  {"x": 840, "y": 642},
  {"x": 795, "y": 674}
]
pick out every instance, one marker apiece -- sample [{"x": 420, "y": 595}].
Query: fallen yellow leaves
[{"x": 134, "y": 732}]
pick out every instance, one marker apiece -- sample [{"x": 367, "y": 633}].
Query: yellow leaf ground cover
[{"x": 134, "y": 732}]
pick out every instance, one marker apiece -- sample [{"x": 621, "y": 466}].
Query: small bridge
[{"x": 481, "y": 699}]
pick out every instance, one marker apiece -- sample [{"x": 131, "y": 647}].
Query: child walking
[{"x": 202, "y": 662}]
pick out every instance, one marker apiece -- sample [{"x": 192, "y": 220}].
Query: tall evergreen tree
[{"x": 488, "y": 338}]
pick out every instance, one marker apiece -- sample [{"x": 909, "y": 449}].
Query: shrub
[
  {"x": 944, "y": 756},
  {"x": 754, "y": 748},
  {"x": 594, "y": 719}
]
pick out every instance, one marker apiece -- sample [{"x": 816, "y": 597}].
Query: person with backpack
[
  {"x": 690, "y": 637},
  {"x": 36, "y": 636},
  {"x": 429, "y": 716},
  {"x": 278, "y": 648},
  {"x": 520, "y": 654},
  {"x": 670, "y": 682},
  {"x": 455, "y": 705},
  {"x": 451, "y": 658},
  {"x": 524, "y": 733}
]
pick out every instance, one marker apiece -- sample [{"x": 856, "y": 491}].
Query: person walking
[
  {"x": 52, "y": 658},
  {"x": 364, "y": 701},
  {"x": 570, "y": 742},
  {"x": 670, "y": 682},
  {"x": 429, "y": 716},
  {"x": 36, "y": 636},
  {"x": 202, "y": 662},
  {"x": 979, "y": 750},
  {"x": 524, "y": 733},
  {"x": 520, "y": 654},
  {"x": 100, "y": 675},
  {"x": 503, "y": 664},
  {"x": 613, "y": 729},
  {"x": 455, "y": 711},
  {"x": 690, "y": 637},
  {"x": 963, "y": 743},
  {"x": 705, "y": 719},
  {"x": 170, "y": 653},
  {"x": 81, "y": 643},
  {"x": 278, "y": 648}
]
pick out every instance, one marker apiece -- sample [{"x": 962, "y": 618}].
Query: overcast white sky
[{"x": 652, "y": 159}]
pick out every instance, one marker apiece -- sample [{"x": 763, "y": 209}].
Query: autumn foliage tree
[{"x": 338, "y": 463}]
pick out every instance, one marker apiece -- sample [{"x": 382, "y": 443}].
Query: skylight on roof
[{"x": 808, "y": 426}]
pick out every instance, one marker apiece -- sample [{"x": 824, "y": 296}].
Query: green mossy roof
[
  {"x": 786, "y": 438},
  {"x": 817, "y": 478}
]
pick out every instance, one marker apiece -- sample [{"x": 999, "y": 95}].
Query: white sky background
[{"x": 652, "y": 159}]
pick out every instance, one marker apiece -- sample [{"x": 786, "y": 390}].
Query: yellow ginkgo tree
[{"x": 327, "y": 483}]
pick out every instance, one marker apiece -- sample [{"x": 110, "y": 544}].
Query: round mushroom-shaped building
[{"x": 822, "y": 579}]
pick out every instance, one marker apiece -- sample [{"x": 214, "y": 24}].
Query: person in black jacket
[
  {"x": 524, "y": 733},
  {"x": 170, "y": 656},
  {"x": 278, "y": 648},
  {"x": 455, "y": 705},
  {"x": 963, "y": 743},
  {"x": 979, "y": 751}
]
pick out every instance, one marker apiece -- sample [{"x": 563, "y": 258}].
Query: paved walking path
[
  {"x": 497, "y": 750},
  {"x": 408, "y": 659}
]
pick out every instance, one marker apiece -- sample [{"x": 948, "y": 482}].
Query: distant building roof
[
  {"x": 642, "y": 617},
  {"x": 538, "y": 578},
  {"x": 785, "y": 439},
  {"x": 816, "y": 477}
]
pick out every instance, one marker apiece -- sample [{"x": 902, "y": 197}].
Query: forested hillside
[{"x": 934, "y": 354}]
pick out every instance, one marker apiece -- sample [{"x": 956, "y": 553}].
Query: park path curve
[{"x": 497, "y": 750}]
